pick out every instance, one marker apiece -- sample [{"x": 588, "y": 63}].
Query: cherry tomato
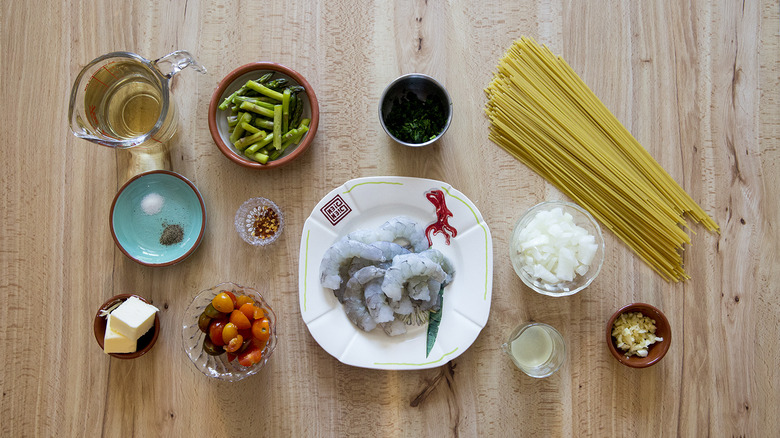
[
  {"x": 243, "y": 299},
  {"x": 261, "y": 329},
  {"x": 259, "y": 343},
  {"x": 215, "y": 331},
  {"x": 250, "y": 356},
  {"x": 246, "y": 333},
  {"x": 211, "y": 312},
  {"x": 230, "y": 332},
  {"x": 231, "y": 357},
  {"x": 235, "y": 344},
  {"x": 248, "y": 309},
  {"x": 222, "y": 302},
  {"x": 232, "y": 298},
  {"x": 210, "y": 348},
  {"x": 240, "y": 320},
  {"x": 203, "y": 322},
  {"x": 258, "y": 313}
]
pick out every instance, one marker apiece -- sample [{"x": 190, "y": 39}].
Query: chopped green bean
[
  {"x": 262, "y": 89},
  {"x": 249, "y": 128},
  {"x": 277, "y": 127},
  {"x": 256, "y": 109},
  {"x": 285, "y": 109},
  {"x": 242, "y": 143}
]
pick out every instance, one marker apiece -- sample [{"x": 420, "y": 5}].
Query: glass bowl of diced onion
[{"x": 557, "y": 248}]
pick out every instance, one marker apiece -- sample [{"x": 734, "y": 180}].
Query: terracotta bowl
[
  {"x": 218, "y": 125},
  {"x": 145, "y": 342},
  {"x": 656, "y": 351}
]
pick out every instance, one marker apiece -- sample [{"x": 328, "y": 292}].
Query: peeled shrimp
[
  {"x": 339, "y": 255},
  {"x": 403, "y": 228},
  {"x": 376, "y": 302},
  {"x": 404, "y": 268},
  {"x": 355, "y": 306}
]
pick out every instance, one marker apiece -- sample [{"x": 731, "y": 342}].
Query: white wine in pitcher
[{"x": 124, "y": 101}]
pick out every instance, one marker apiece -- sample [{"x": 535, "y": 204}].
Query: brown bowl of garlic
[{"x": 638, "y": 335}]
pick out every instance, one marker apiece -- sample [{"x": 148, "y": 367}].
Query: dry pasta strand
[{"x": 542, "y": 113}]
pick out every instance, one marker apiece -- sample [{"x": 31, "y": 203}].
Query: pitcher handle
[{"x": 175, "y": 62}]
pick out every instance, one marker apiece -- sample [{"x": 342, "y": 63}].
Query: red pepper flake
[
  {"x": 442, "y": 217},
  {"x": 265, "y": 222}
]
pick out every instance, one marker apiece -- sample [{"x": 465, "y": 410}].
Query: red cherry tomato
[
  {"x": 250, "y": 356},
  {"x": 215, "y": 331},
  {"x": 232, "y": 298}
]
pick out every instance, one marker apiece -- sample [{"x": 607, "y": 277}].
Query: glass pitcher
[{"x": 122, "y": 100}]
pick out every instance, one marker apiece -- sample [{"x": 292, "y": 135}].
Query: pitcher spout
[{"x": 177, "y": 61}]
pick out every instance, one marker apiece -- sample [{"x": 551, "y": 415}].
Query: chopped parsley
[{"x": 412, "y": 120}]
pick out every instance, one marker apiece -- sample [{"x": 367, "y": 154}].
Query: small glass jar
[
  {"x": 536, "y": 348},
  {"x": 259, "y": 221}
]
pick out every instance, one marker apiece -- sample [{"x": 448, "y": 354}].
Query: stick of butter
[
  {"x": 114, "y": 342},
  {"x": 133, "y": 318}
]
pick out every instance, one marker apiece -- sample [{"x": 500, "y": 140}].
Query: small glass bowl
[
  {"x": 249, "y": 212},
  {"x": 581, "y": 218},
  {"x": 192, "y": 338}
]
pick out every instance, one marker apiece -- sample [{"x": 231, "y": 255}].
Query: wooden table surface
[{"x": 695, "y": 82}]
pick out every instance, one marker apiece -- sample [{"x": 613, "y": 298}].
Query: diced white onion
[{"x": 553, "y": 248}]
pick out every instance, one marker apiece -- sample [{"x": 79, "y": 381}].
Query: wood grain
[{"x": 696, "y": 82}]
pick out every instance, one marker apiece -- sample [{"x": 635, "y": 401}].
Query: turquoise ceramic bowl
[{"x": 137, "y": 231}]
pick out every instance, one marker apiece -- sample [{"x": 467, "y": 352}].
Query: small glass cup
[
  {"x": 267, "y": 212},
  {"x": 536, "y": 348}
]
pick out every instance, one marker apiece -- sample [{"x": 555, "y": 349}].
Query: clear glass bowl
[
  {"x": 192, "y": 338},
  {"x": 581, "y": 218},
  {"x": 246, "y": 216}
]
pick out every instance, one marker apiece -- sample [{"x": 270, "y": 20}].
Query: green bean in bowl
[{"x": 263, "y": 115}]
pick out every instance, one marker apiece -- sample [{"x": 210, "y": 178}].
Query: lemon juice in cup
[{"x": 537, "y": 349}]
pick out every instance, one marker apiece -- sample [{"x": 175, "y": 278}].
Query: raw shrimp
[
  {"x": 339, "y": 255},
  {"x": 376, "y": 302},
  {"x": 444, "y": 262},
  {"x": 380, "y": 282},
  {"x": 403, "y": 228},
  {"x": 394, "y": 328},
  {"x": 390, "y": 249},
  {"x": 404, "y": 268},
  {"x": 368, "y": 273},
  {"x": 355, "y": 306}
]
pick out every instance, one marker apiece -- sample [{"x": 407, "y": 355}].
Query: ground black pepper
[{"x": 171, "y": 234}]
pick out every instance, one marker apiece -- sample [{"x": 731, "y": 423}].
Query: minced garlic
[{"x": 634, "y": 333}]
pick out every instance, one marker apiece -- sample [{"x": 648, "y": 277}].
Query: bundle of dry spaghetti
[{"x": 543, "y": 114}]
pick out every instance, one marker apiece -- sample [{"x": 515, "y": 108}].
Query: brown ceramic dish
[
  {"x": 656, "y": 351},
  {"x": 217, "y": 118},
  {"x": 145, "y": 342}
]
